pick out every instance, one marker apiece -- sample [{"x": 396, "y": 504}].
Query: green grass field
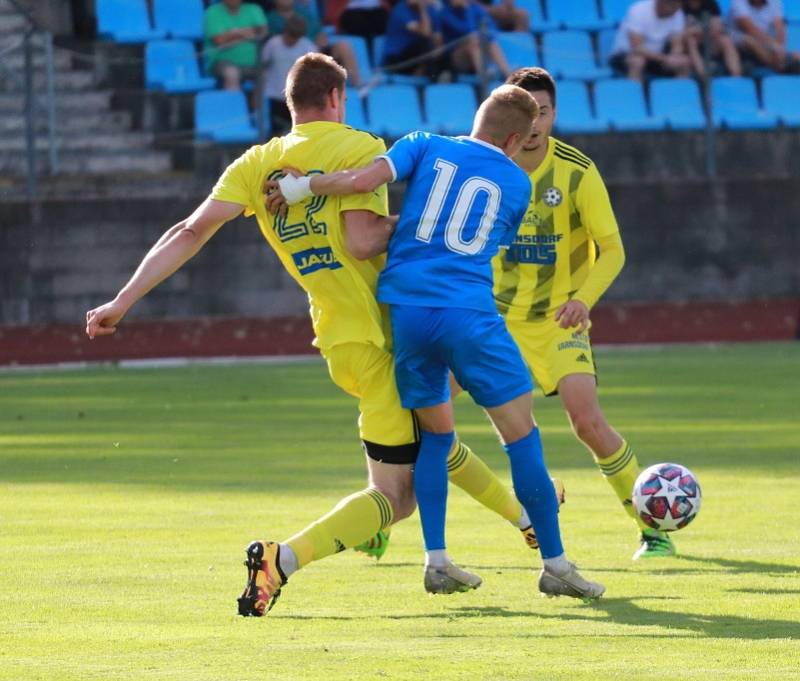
[{"x": 127, "y": 496}]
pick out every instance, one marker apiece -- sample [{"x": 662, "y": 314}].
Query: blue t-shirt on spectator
[
  {"x": 460, "y": 21},
  {"x": 398, "y": 37}
]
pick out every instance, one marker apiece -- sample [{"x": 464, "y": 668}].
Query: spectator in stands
[
  {"x": 341, "y": 50},
  {"x": 233, "y": 31},
  {"x": 413, "y": 34},
  {"x": 507, "y": 15},
  {"x": 760, "y": 33},
  {"x": 650, "y": 40},
  {"x": 698, "y": 12},
  {"x": 465, "y": 20},
  {"x": 367, "y": 18},
  {"x": 277, "y": 57}
]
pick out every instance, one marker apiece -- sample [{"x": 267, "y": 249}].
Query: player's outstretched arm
[
  {"x": 366, "y": 233},
  {"x": 176, "y": 246},
  {"x": 358, "y": 181}
]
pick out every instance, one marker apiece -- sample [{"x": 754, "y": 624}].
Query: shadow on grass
[
  {"x": 723, "y": 565},
  {"x": 614, "y": 611}
]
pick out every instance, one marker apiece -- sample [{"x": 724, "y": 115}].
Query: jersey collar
[
  {"x": 481, "y": 142},
  {"x": 546, "y": 161}
]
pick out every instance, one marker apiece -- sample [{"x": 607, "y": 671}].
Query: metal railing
[{"x": 26, "y": 81}]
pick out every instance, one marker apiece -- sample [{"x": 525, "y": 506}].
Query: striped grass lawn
[{"x": 127, "y": 496}]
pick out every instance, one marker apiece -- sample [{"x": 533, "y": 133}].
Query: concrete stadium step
[
  {"x": 71, "y": 162},
  {"x": 98, "y": 121},
  {"x": 12, "y": 23},
  {"x": 86, "y": 141},
  {"x": 63, "y": 81},
  {"x": 172, "y": 184},
  {"x": 15, "y": 61},
  {"x": 75, "y": 101}
]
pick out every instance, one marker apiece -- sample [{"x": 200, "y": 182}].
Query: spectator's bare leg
[
  {"x": 761, "y": 52},
  {"x": 467, "y": 57},
  {"x": 343, "y": 53},
  {"x": 724, "y": 45},
  {"x": 695, "y": 56},
  {"x": 635, "y": 64},
  {"x": 231, "y": 78}
]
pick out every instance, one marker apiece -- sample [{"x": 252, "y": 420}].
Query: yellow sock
[
  {"x": 353, "y": 520},
  {"x": 621, "y": 470},
  {"x": 472, "y": 475}
]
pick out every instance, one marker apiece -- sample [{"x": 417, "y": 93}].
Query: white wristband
[{"x": 295, "y": 189}]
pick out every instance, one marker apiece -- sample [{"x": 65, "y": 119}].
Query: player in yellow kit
[
  {"x": 331, "y": 246},
  {"x": 547, "y": 282}
]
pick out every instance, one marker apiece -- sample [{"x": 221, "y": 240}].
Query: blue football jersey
[{"x": 464, "y": 200}]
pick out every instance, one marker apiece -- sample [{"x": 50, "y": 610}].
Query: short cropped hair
[
  {"x": 534, "y": 79},
  {"x": 507, "y": 110},
  {"x": 310, "y": 80}
]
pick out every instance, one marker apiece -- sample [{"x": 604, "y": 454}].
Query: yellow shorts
[
  {"x": 552, "y": 352},
  {"x": 367, "y": 372}
]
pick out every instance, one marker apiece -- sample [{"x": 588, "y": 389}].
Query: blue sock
[
  {"x": 535, "y": 491},
  {"x": 430, "y": 486}
]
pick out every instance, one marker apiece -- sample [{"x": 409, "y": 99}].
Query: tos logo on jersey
[{"x": 552, "y": 197}]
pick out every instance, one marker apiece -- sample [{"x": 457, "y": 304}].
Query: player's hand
[
  {"x": 277, "y": 202},
  {"x": 103, "y": 320},
  {"x": 573, "y": 313}
]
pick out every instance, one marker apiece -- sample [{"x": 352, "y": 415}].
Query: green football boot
[
  {"x": 655, "y": 544},
  {"x": 375, "y": 546}
]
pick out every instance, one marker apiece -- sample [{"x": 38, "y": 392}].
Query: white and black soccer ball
[{"x": 667, "y": 496}]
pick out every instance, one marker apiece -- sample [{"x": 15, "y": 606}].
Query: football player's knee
[
  {"x": 586, "y": 425},
  {"x": 402, "y": 500}
]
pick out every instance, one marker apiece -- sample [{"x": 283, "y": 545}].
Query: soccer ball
[{"x": 667, "y": 496}]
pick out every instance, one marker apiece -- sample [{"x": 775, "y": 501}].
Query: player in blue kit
[{"x": 465, "y": 199}]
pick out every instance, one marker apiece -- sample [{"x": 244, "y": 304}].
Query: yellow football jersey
[
  {"x": 310, "y": 239},
  {"x": 554, "y": 249}
]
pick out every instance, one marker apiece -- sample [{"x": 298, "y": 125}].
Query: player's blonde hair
[
  {"x": 507, "y": 110},
  {"x": 310, "y": 80}
]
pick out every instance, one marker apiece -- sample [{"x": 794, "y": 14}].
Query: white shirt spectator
[
  {"x": 764, "y": 17},
  {"x": 278, "y": 58},
  {"x": 642, "y": 19}
]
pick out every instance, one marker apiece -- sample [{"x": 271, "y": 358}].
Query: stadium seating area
[{"x": 571, "y": 39}]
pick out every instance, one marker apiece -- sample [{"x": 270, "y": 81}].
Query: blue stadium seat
[
  {"x": 222, "y": 116},
  {"x": 791, "y": 10},
  {"x": 793, "y": 37},
  {"x": 125, "y": 21},
  {"x": 449, "y": 109},
  {"x": 581, "y": 15},
  {"x": 724, "y": 6},
  {"x": 782, "y": 98},
  {"x": 378, "y": 43},
  {"x": 179, "y": 18},
  {"x": 360, "y": 52},
  {"x": 171, "y": 65},
  {"x": 605, "y": 43},
  {"x": 615, "y": 10},
  {"x": 354, "y": 110},
  {"x": 394, "y": 110},
  {"x": 621, "y": 102},
  {"x": 538, "y": 22},
  {"x": 569, "y": 54},
  {"x": 677, "y": 100},
  {"x": 735, "y": 105},
  {"x": 266, "y": 118},
  {"x": 574, "y": 110},
  {"x": 519, "y": 48}
]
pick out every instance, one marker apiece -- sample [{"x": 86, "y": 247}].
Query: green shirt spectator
[{"x": 232, "y": 29}]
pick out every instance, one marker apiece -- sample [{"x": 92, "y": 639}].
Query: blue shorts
[{"x": 475, "y": 345}]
